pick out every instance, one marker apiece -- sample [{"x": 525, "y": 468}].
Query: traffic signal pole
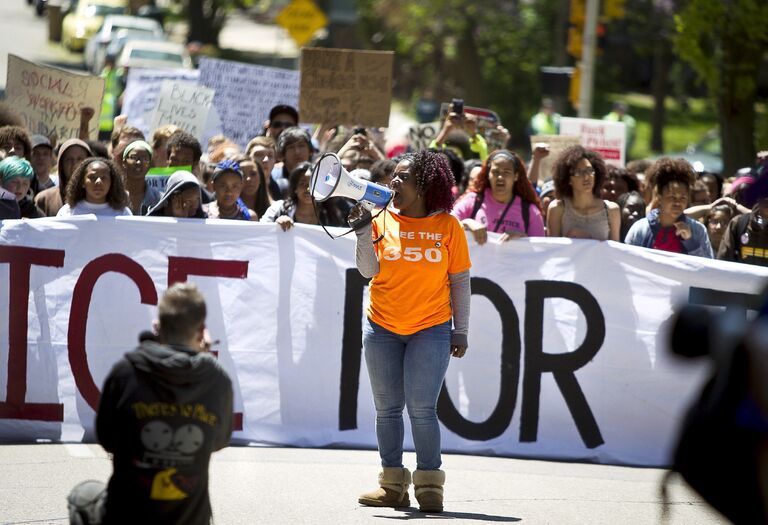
[{"x": 587, "y": 65}]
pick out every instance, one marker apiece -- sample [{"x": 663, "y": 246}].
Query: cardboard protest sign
[
  {"x": 184, "y": 105},
  {"x": 50, "y": 99},
  {"x": 142, "y": 90},
  {"x": 556, "y": 143},
  {"x": 345, "y": 86},
  {"x": 244, "y": 95},
  {"x": 606, "y": 138}
]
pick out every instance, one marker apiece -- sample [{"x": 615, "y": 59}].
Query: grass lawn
[{"x": 683, "y": 126}]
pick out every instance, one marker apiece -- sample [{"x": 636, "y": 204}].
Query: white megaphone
[{"x": 330, "y": 179}]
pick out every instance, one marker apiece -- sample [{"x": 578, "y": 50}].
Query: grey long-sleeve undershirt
[{"x": 368, "y": 266}]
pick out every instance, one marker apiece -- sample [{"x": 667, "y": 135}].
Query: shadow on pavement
[{"x": 413, "y": 514}]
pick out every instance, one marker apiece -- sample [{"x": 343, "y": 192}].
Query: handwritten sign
[
  {"x": 142, "y": 90},
  {"x": 244, "y": 95},
  {"x": 184, "y": 105},
  {"x": 421, "y": 135},
  {"x": 50, "y": 99},
  {"x": 606, "y": 138},
  {"x": 557, "y": 144},
  {"x": 344, "y": 86}
]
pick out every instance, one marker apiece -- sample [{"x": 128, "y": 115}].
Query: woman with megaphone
[{"x": 418, "y": 258}]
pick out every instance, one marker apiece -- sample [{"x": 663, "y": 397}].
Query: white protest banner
[
  {"x": 50, "y": 99},
  {"x": 421, "y": 135},
  {"x": 244, "y": 95},
  {"x": 566, "y": 356},
  {"x": 142, "y": 90},
  {"x": 184, "y": 105},
  {"x": 556, "y": 144},
  {"x": 606, "y": 138}
]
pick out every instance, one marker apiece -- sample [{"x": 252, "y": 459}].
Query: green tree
[
  {"x": 207, "y": 17},
  {"x": 724, "y": 41},
  {"x": 488, "y": 53}
]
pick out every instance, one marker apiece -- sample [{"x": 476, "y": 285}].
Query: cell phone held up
[{"x": 457, "y": 106}]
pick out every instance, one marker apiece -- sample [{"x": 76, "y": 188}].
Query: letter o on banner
[
  {"x": 501, "y": 416},
  {"x": 78, "y": 315}
]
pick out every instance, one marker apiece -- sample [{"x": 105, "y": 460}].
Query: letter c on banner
[
  {"x": 78, "y": 315},
  {"x": 501, "y": 416}
]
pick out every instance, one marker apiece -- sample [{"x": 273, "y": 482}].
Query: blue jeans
[{"x": 407, "y": 370}]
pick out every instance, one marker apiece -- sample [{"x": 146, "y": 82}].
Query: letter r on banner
[{"x": 562, "y": 366}]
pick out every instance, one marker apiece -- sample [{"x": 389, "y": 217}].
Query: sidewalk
[{"x": 252, "y": 485}]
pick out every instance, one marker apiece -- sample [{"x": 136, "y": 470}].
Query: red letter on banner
[
  {"x": 21, "y": 260},
  {"x": 78, "y": 315},
  {"x": 179, "y": 268}
]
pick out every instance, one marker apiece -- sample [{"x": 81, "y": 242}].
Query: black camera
[
  {"x": 359, "y": 131},
  {"x": 457, "y": 105}
]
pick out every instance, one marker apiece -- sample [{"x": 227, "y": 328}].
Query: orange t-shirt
[{"x": 412, "y": 292}]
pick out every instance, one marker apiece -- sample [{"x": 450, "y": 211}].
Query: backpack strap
[
  {"x": 525, "y": 209},
  {"x": 479, "y": 197}
]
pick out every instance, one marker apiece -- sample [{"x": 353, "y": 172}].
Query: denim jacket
[{"x": 644, "y": 232}]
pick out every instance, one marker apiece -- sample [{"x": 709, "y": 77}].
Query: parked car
[
  {"x": 82, "y": 22},
  {"x": 96, "y": 47},
  {"x": 154, "y": 55},
  {"x": 118, "y": 42},
  {"x": 704, "y": 155}
]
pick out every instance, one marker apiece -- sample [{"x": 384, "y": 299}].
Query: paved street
[{"x": 320, "y": 486}]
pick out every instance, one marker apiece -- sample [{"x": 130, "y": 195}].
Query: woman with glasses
[
  {"x": 579, "y": 212},
  {"x": 137, "y": 159}
]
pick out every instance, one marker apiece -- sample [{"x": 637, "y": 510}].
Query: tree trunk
[
  {"x": 204, "y": 21},
  {"x": 659, "y": 91},
  {"x": 469, "y": 68},
  {"x": 736, "y": 105}
]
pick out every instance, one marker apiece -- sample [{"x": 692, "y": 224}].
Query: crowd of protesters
[{"x": 664, "y": 205}]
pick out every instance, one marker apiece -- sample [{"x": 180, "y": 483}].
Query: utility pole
[{"x": 587, "y": 64}]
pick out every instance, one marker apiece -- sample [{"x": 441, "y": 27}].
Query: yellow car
[{"x": 86, "y": 19}]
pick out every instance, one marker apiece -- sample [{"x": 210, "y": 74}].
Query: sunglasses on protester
[{"x": 281, "y": 124}]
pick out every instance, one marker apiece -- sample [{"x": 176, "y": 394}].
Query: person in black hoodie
[
  {"x": 746, "y": 238},
  {"x": 165, "y": 407}
]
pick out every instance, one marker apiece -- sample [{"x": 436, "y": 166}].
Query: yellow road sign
[{"x": 302, "y": 19}]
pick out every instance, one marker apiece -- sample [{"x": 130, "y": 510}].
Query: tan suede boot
[
  {"x": 428, "y": 487},
  {"x": 392, "y": 491}
]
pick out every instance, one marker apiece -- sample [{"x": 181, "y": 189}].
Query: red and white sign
[{"x": 607, "y": 138}]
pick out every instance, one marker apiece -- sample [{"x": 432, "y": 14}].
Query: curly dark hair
[
  {"x": 116, "y": 196},
  {"x": 629, "y": 178},
  {"x": 726, "y": 207},
  {"x": 291, "y": 136},
  {"x": 327, "y": 211},
  {"x": 11, "y": 133},
  {"x": 522, "y": 187},
  {"x": 566, "y": 164},
  {"x": 9, "y": 116},
  {"x": 624, "y": 197},
  {"x": 434, "y": 179},
  {"x": 667, "y": 170},
  {"x": 381, "y": 169},
  {"x": 182, "y": 139}
]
